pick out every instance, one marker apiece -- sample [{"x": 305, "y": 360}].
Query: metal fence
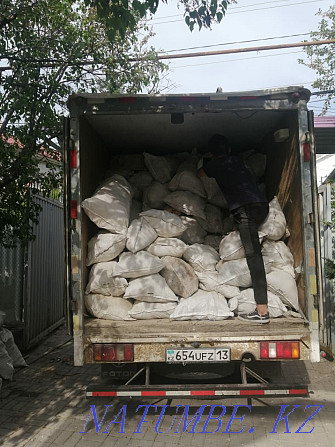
[
  {"x": 32, "y": 278},
  {"x": 11, "y": 283}
]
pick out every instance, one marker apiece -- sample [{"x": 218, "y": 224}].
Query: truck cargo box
[{"x": 272, "y": 122}]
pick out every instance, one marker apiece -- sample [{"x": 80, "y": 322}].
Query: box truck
[{"x": 134, "y": 355}]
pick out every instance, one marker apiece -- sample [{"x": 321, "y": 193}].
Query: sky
[
  {"x": 247, "y": 20},
  {"x": 261, "y": 22}
]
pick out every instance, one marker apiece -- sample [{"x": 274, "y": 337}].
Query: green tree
[
  {"x": 49, "y": 48},
  {"x": 322, "y": 58},
  {"x": 121, "y": 16}
]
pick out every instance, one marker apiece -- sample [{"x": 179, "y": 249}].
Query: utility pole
[{"x": 246, "y": 50}]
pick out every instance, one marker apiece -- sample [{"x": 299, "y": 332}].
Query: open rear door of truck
[{"x": 67, "y": 223}]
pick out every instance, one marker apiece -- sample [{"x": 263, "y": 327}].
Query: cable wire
[
  {"x": 236, "y": 42},
  {"x": 239, "y": 12},
  {"x": 232, "y": 7},
  {"x": 237, "y": 59},
  {"x": 244, "y": 50}
]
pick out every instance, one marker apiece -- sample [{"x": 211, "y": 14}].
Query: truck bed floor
[{"x": 164, "y": 330}]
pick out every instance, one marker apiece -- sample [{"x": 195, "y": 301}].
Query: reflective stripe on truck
[{"x": 249, "y": 392}]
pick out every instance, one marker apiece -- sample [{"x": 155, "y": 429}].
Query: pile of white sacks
[{"x": 161, "y": 253}]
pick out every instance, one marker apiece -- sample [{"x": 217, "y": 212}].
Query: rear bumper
[
  {"x": 156, "y": 352},
  {"x": 198, "y": 391}
]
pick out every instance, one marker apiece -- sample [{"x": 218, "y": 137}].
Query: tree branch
[
  {"x": 7, "y": 20},
  {"x": 9, "y": 114}
]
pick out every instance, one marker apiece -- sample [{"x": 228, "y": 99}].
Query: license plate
[{"x": 198, "y": 355}]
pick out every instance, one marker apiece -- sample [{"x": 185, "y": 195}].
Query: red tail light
[
  {"x": 128, "y": 353},
  {"x": 188, "y": 99},
  {"x": 127, "y": 100},
  {"x": 113, "y": 352},
  {"x": 307, "y": 151},
  {"x": 74, "y": 209},
  {"x": 264, "y": 350},
  {"x": 280, "y": 350},
  {"x": 73, "y": 158}
]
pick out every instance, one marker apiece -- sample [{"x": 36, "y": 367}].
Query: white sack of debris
[
  {"x": 104, "y": 246},
  {"x": 187, "y": 203},
  {"x": 140, "y": 180},
  {"x": 165, "y": 224},
  {"x": 274, "y": 225},
  {"x": 245, "y": 303},
  {"x": 280, "y": 256},
  {"x": 212, "y": 282},
  {"x": 187, "y": 181},
  {"x": 283, "y": 285},
  {"x": 237, "y": 273},
  {"x": 214, "y": 219},
  {"x": 140, "y": 235},
  {"x": 139, "y": 264},
  {"x": 143, "y": 310},
  {"x": 231, "y": 247},
  {"x": 107, "y": 307},
  {"x": 193, "y": 233},
  {"x": 202, "y": 306},
  {"x": 151, "y": 288},
  {"x": 180, "y": 276},
  {"x": 7, "y": 338},
  {"x": 103, "y": 280},
  {"x": 161, "y": 168},
  {"x": 153, "y": 195},
  {"x": 201, "y": 257},
  {"x": 109, "y": 207},
  {"x": 6, "y": 363},
  {"x": 167, "y": 246}
]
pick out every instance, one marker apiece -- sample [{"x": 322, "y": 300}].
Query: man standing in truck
[{"x": 249, "y": 208}]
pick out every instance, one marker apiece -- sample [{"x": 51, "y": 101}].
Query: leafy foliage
[
  {"x": 49, "y": 48},
  {"x": 16, "y": 204},
  {"x": 120, "y": 15},
  {"x": 322, "y": 58}
]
